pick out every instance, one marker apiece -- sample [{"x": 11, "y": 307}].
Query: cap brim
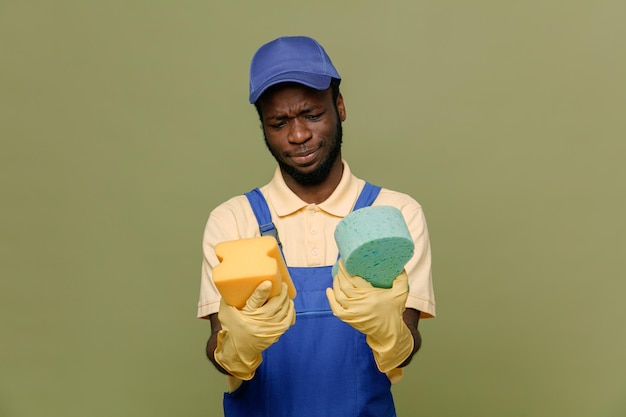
[{"x": 315, "y": 81}]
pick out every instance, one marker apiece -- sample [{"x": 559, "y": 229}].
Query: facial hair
[{"x": 320, "y": 173}]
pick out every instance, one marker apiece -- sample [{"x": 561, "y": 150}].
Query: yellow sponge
[{"x": 244, "y": 264}]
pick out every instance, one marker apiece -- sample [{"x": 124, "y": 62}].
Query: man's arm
[
  {"x": 411, "y": 318},
  {"x": 211, "y": 345}
]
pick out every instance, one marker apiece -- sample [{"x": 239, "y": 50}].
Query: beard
[{"x": 320, "y": 173}]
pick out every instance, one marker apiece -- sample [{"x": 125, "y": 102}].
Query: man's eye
[{"x": 314, "y": 116}]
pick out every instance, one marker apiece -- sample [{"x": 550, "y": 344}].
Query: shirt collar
[{"x": 339, "y": 203}]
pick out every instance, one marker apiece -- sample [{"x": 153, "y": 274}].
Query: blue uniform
[{"x": 321, "y": 367}]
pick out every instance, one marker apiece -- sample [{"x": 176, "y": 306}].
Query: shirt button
[
  {"x": 314, "y": 252},
  {"x": 313, "y": 230}
]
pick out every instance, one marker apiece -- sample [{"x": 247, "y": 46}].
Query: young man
[{"x": 336, "y": 348}]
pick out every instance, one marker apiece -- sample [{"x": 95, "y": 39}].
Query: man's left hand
[{"x": 376, "y": 312}]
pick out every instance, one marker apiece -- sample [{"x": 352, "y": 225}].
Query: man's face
[{"x": 302, "y": 129}]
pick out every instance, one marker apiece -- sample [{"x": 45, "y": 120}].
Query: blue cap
[{"x": 296, "y": 59}]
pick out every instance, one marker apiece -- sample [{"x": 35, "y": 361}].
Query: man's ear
[{"x": 341, "y": 108}]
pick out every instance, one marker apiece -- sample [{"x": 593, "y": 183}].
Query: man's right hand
[{"x": 246, "y": 333}]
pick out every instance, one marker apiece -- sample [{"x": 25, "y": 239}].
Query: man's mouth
[{"x": 304, "y": 158}]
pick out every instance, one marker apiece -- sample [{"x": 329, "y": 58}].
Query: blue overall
[{"x": 321, "y": 367}]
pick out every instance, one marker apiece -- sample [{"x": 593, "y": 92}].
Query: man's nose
[{"x": 298, "y": 131}]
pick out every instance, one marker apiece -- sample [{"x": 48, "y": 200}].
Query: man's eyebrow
[
  {"x": 283, "y": 116},
  {"x": 277, "y": 116}
]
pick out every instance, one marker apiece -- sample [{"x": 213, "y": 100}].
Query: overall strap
[
  {"x": 367, "y": 197},
  {"x": 262, "y": 214}
]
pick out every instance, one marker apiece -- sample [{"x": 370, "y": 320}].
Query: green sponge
[{"x": 374, "y": 243}]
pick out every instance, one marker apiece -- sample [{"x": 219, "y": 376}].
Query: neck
[{"x": 316, "y": 194}]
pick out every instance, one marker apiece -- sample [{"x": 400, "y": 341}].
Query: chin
[{"x": 312, "y": 175}]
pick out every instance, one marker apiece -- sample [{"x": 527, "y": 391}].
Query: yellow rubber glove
[
  {"x": 376, "y": 312},
  {"x": 248, "y": 332}
]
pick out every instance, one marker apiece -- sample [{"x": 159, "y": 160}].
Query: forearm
[
  {"x": 212, "y": 343},
  {"x": 411, "y": 319}
]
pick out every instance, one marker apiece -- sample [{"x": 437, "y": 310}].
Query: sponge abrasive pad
[
  {"x": 374, "y": 243},
  {"x": 244, "y": 264}
]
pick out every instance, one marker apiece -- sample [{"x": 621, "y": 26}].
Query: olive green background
[{"x": 123, "y": 123}]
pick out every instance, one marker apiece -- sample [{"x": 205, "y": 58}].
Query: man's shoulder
[
  {"x": 232, "y": 219},
  {"x": 397, "y": 199},
  {"x": 234, "y": 206}
]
